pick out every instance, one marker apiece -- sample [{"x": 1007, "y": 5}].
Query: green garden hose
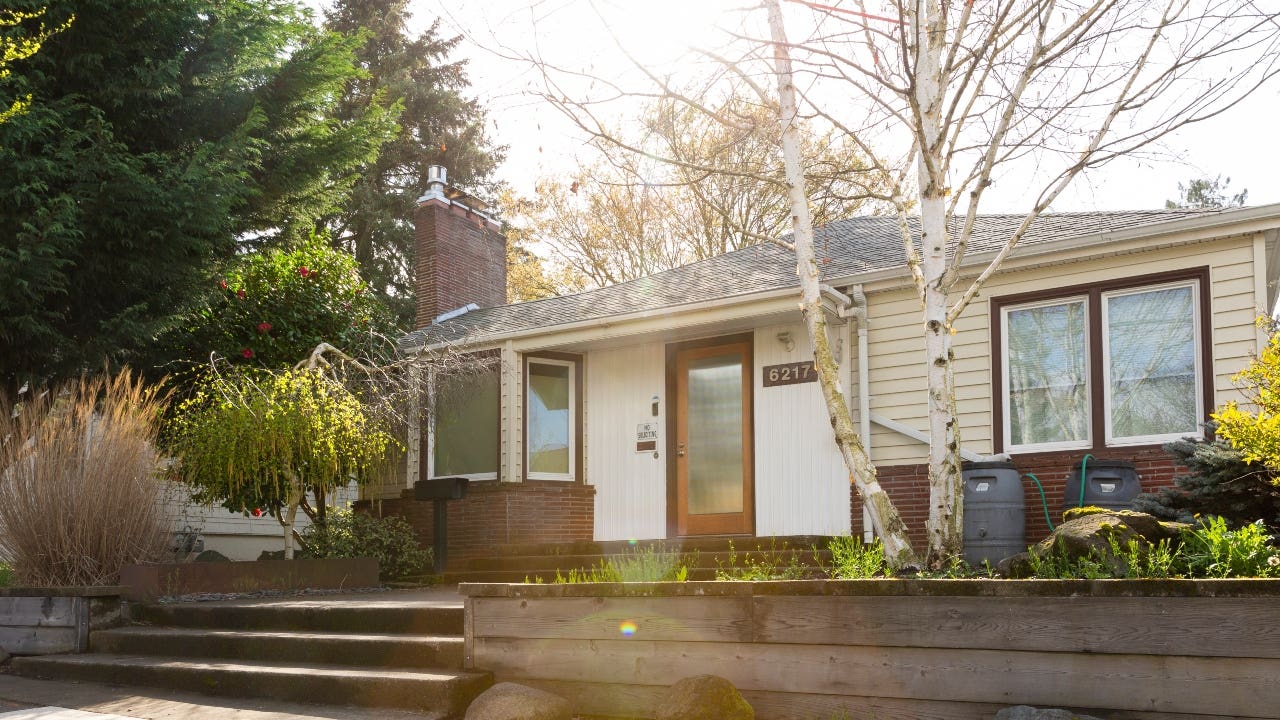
[
  {"x": 1043, "y": 502},
  {"x": 1084, "y": 473}
]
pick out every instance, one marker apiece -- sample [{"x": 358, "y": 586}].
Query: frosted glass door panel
[{"x": 715, "y": 434}]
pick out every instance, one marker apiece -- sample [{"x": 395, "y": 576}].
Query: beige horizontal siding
[{"x": 896, "y": 347}]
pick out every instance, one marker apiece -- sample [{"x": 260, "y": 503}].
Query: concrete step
[
  {"x": 439, "y": 692},
  {"x": 314, "y": 616},
  {"x": 371, "y": 649}
]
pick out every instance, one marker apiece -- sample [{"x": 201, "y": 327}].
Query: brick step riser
[
  {"x": 692, "y": 560},
  {"x": 406, "y": 653},
  {"x": 613, "y": 547},
  {"x": 421, "y": 621},
  {"x": 450, "y": 696}
]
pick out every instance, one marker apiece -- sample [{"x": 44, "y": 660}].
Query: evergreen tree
[
  {"x": 1219, "y": 482},
  {"x": 159, "y": 135},
  {"x": 438, "y": 126}
]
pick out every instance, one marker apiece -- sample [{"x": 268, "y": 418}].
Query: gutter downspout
[{"x": 858, "y": 311}]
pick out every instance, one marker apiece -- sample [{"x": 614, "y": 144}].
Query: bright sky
[{"x": 1240, "y": 144}]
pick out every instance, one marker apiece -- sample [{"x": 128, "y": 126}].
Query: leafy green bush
[
  {"x": 351, "y": 534},
  {"x": 1215, "y": 551},
  {"x": 6, "y": 575},
  {"x": 852, "y": 559}
]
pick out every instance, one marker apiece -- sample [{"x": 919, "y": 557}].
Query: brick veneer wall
[
  {"x": 460, "y": 257},
  {"x": 495, "y": 514},
  {"x": 908, "y": 486}
]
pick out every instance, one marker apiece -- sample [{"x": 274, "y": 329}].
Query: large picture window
[
  {"x": 551, "y": 419},
  {"x": 1120, "y": 363},
  {"x": 465, "y": 441}
]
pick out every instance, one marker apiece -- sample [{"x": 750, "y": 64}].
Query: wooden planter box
[
  {"x": 936, "y": 649},
  {"x": 44, "y": 621},
  {"x": 148, "y": 582}
]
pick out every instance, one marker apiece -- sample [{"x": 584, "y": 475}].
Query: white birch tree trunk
[
  {"x": 290, "y": 514},
  {"x": 884, "y": 516},
  {"x": 945, "y": 526}
]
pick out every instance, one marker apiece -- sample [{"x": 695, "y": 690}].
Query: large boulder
[
  {"x": 511, "y": 701},
  {"x": 1026, "y": 712},
  {"x": 1089, "y": 533},
  {"x": 704, "y": 697}
]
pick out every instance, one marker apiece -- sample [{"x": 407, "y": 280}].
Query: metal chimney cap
[{"x": 437, "y": 177}]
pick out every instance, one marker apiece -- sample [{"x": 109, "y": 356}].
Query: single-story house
[{"x": 682, "y": 404}]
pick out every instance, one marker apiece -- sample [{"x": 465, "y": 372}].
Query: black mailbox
[
  {"x": 453, "y": 488},
  {"x": 440, "y": 491}
]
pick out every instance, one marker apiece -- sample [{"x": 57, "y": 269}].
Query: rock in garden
[
  {"x": 1026, "y": 712},
  {"x": 1086, "y": 535},
  {"x": 510, "y": 701},
  {"x": 704, "y": 697},
  {"x": 212, "y": 556}
]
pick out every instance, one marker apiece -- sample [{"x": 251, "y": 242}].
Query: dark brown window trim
[
  {"x": 673, "y": 498},
  {"x": 1097, "y": 427},
  {"x": 426, "y": 455},
  {"x": 578, "y": 476}
]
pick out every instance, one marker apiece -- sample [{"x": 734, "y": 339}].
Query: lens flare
[{"x": 627, "y": 628}]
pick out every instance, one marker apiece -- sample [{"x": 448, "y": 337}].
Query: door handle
[{"x": 680, "y": 450}]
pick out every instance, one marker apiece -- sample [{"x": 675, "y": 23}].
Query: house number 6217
[{"x": 789, "y": 374}]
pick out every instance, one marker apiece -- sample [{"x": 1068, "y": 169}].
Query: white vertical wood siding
[
  {"x": 802, "y": 487},
  {"x": 631, "y": 487},
  {"x": 896, "y": 346}
]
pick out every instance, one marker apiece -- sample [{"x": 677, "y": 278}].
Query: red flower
[
  {"x": 264, "y": 327},
  {"x": 257, "y": 512},
  {"x": 247, "y": 353},
  {"x": 241, "y": 294},
  {"x": 222, "y": 284},
  {"x": 304, "y": 271}
]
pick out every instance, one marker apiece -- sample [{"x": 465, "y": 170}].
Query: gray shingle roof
[{"x": 845, "y": 248}]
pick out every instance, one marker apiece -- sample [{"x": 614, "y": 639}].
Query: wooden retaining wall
[
  {"x": 45, "y": 621},
  {"x": 881, "y": 650}
]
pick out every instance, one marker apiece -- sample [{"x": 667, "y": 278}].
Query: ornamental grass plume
[{"x": 81, "y": 492}]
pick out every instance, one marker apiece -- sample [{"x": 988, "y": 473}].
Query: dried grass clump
[{"x": 80, "y": 489}]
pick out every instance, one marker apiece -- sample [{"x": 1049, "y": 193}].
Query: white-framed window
[
  {"x": 1151, "y": 370},
  {"x": 1046, "y": 379},
  {"x": 1118, "y": 364},
  {"x": 550, "y": 447}
]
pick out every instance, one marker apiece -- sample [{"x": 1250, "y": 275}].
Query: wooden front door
[{"x": 711, "y": 445}]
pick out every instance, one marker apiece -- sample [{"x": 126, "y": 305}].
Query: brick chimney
[{"x": 461, "y": 255}]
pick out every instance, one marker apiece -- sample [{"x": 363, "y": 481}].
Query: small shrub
[
  {"x": 81, "y": 493},
  {"x": 6, "y": 574},
  {"x": 390, "y": 540},
  {"x": 1213, "y": 550},
  {"x": 773, "y": 564},
  {"x": 852, "y": 559},
  {"x": 641, "y": 564}
]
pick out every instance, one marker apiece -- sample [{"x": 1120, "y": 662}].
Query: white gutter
[{"x": 858, "y": 301}]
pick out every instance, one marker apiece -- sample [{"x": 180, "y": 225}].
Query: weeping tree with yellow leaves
[{"x": 258, "y": 441}]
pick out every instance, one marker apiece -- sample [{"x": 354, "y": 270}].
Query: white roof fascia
[
  {"x": 607, "y": 320},
  {"x": 1246, "y": 220}
]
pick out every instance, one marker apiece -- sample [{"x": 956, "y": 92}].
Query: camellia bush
[
  {"x": 391, "y": 540},
  {"x": 256, "y": 440},
  {"x": 274, "y": 306}
]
